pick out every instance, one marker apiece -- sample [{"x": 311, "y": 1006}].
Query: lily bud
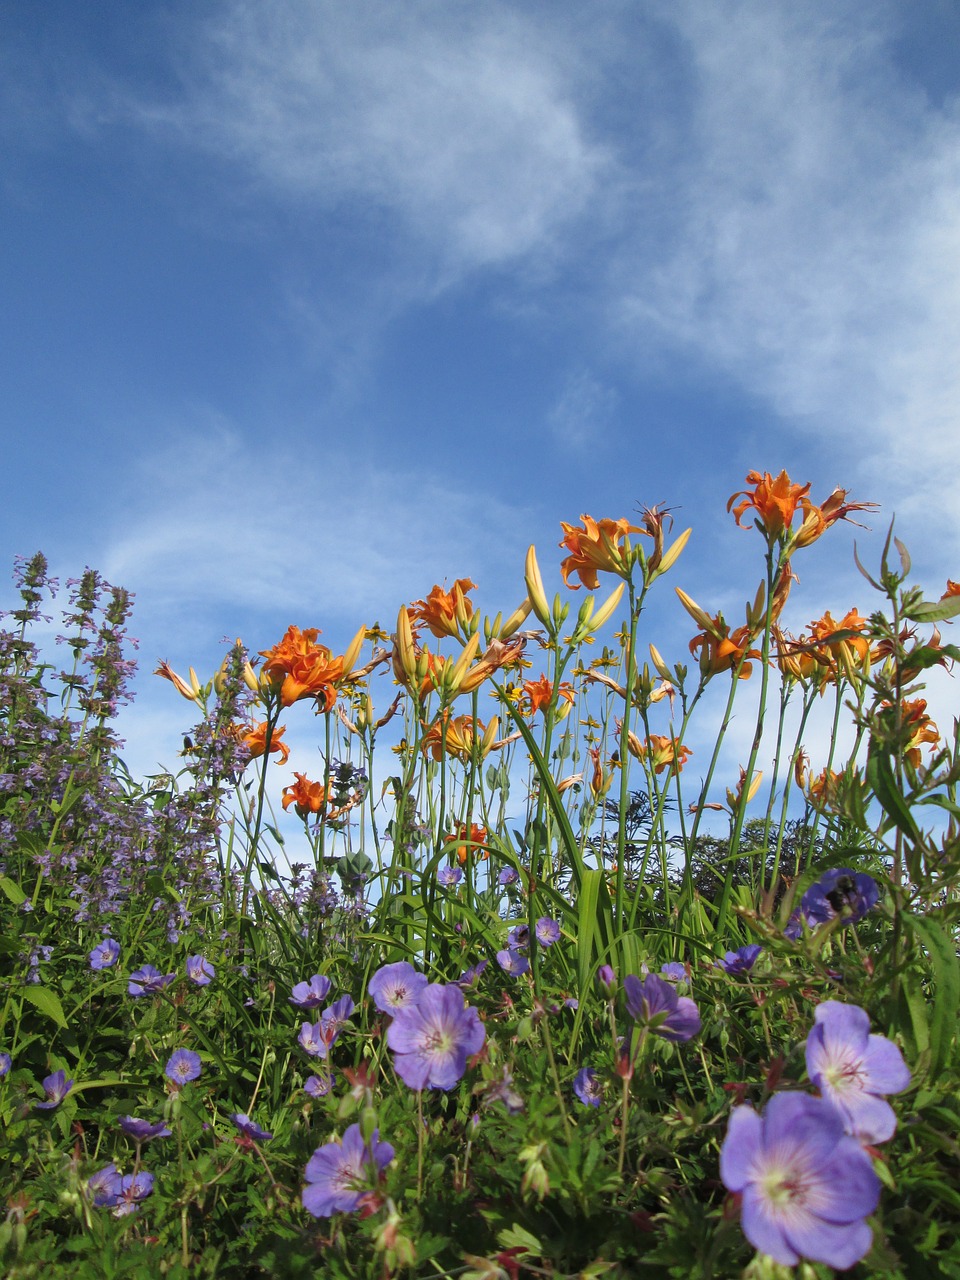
[
  {"x": 672, "y": 555},
  {"x": 535, "y": 592},
  {"x": 516, "y": 619},
  {"x": 607, "y": 609},
  {"x": 353, "y": 653},
  {"x": 663, "y": 671}
]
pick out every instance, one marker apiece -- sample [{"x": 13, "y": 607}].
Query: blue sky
[{"x": 311, "y": 305}]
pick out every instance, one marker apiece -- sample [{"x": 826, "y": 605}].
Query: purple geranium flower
[
  {"x": 507, "y": 877},
  {"x": 432, "y": 1039},
  {"x": 184, "y": 1065},
  {"x": 312, "y": 1039},
  {"x": 311, "y": 995},
  {"x": 839, "y": 893},
  {"x": 673, "y": 971},
  {"x": 740, "y": 961},
  {"x": 655, "y": 1004},
  {"x": 249, "y": 1129},
  {"x": 854, "y": 1069},
  {"x": 200, "y": 971},
  {"x": 341, "y": 1173},
  {"x": 588, "y": 1087},
  {"x": 470, "y": 978},
  {"x": 6, "y": 1062},
  {"x": 518, "y": 937},
  {"x": 105, "y": 1185},
  {"x": 396, "y": 986},
  {"x": 56, "y": 1087},
  {"x": 127, "y": 1192},
  {"x": 513, "y": 962},
  {"x": 806, "y": 1185},
  {"x": 143, "y": 1130},
  {"x": 318, "y": 1086},
  {"x": 148, "y": 980},
  {"x": 105, "y": 954},
  {"x": 449, "y": 876},
  {"x": 547, "y": 931},
  {"x": 607, "y": 980}
]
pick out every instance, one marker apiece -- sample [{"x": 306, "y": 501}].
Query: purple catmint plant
[{"x": 432, "y": 1039}]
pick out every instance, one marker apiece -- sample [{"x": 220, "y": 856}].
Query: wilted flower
[
  {"x": 396, "y": 986},
  {"x": 105, "y": 954},
  {"x": 340, "y": 1174},
  {"x": 200, "y": 971},
  {"x": 432, "y": 1039},
  {"x": 143, "y": 1130},
  {"x": 654, "y": 1004},
  {"x": 854, "y": 1070},
  {"x": 840, "y": 893},
  {"x": 806, "y": 1186},
  {"x": 310, "y": 995},
  {"x": 740, "y": 961},
  {"x": 547, "y": 931},
  {"x": 588, "y": 1087},
  {"x": 449, "y": 876},
  {"x": 56, "y": 1087},
  {"x": 249, "y": 1129},
  {"x": 184, "y": 1065},
  {"x": 148, "y": 981}
]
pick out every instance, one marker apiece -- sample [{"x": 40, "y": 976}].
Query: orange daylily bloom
[
  {"x": 802, "y": 661},
  {"x": 476, "y": 835},
  {"x": 594, "y": 547},
  {"x": 254, "y": 738},
  {"x": 301, "y": 668},
  {"x": 817, "y": 520},
  {"x": 439, "y": 610},
  {"x": 540, "y": 694},
  {"x": 457, "y": 735},
  {"x": 721, "y": 649},
  {"x": 775, "y": 502},
  {"x": 661, "y": 752},
  {"x": 849, "y": 651},
  {"x": 920, "y": 727},
  {"x": 822, "y": 789},
  {"x": 309, "y": 797},
  {"x": 953, "y": 589},
  {"x": 599, "y": 780}
]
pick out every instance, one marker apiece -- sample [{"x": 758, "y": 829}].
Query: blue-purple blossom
[
  {"x": 120, "y": 1192},
  {"x": 470, "y": 978},
  {"x": 318, "y": 1086},
  {"x": 839, "y": 893},
  {"x": 518, "y": 937},
  {"x": 395, "y": 986},
  {"x": 502, "y": 1090},
  {"x": 740, "y": 961},
  {"x": 105, "y": 954},
  {"x": 673, "y": 971},
  {"x": 147, "y": 981},
  {"x": 432, "y": 1039},
  {"x": 143, "y": 1130},
  {"x": 449, "y": 876},
  {"x": 6, "y": 1062},
  {"x": 105, "y": 1186},
  {"x": 854, "y": 1070},
  {"x": 806, "y": 1185},
  {"x": 56, "y": 1087},
  {"x": 312, "y": 1039},
  {"x": 513, "y": 962},
  {"x": 607, "y": 980},
  {"x": 250, "y": 1129},
  {"x": 340, "y": 1174},
  {"x": 588, "y": 1087},
  {"x": 507, "y": 877},
  {"x": 311, "y": 995},
  {"x": 653, "y": 1003},
  {"x": 183, "y": 1066},
  {"x": 200, "y": 971},
  {"x": 547, "y": 931}
]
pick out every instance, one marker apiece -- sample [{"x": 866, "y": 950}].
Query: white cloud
[{"x": 582, "y": 411}]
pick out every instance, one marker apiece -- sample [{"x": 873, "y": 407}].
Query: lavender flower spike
[
  {"x": 807, "y": 1187},
  {"x": 56, "y": 1087},
  {"x": 655, "y": 1004},
  {"x": 396, "y": 986},
  {"x": 854, "y": 1069},
  {"x": 340, "y": 1173},
  {"x": 432, "y": 1039}
]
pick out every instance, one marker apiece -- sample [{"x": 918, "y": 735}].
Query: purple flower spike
[
  {"x": 56, "y": 1087},
  {"x": 588, "y": 1087},
  {"x": 200, "y": 971},
  {"x": 396, "y": 986},
  {"x": 432, "y": 1039},
  {"x": 340, "y": 1174},
  {"x": 513, "y": 962},
  {"x": 318, "y": 1086},
  {"x": 311, "y": 995},
  {"x": 249, "y": 1129},
  {"x": 184, "y": 1066},
  {"x": 740, "y": 961},
  {"x": 854, "y": 1069},
  {"x": 840, "y": 893},
  {"x": 148, "y": 981},
  {"x": 449, "y": 876},
  {"x": 653, "y": 1003},
  {"x": 547, "y": 931},
  {"x": 807, "y": 1187},
  {"x": 143, "y": 1130},
  {"x": 104, "y": 955}
]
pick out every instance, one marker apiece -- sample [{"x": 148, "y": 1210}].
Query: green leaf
[
  {"x": 884, "y": 784},
  {"x": 47, "y": 1001},
  {"x": 934, "y": 610},
  {"x": 12, "y": 890},
  {"x": 942, "y": 1017}
]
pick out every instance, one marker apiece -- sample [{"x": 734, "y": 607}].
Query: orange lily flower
[
  {"x": 309, "y": 797},
  {"x": 540, "y": 694},
  {"x": 477, "y": 835},
  {"x": 662, "y": 753},
  {"x": 255, "y": 740},
  {"x": 440, "y": 609},
  {"x": 953, "y": 589},
  {"x": 594, "y": 547},
  {"x": 817, "y": 520},
  {"x": 457, "y": 735},
  {"x": 920, "y": 727},
  {"x": 301, "y": 668},
  {"x": 721, "y": 649},
  {"x": 848, "y": 652},
  {"x": 775, "y": 502}
]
